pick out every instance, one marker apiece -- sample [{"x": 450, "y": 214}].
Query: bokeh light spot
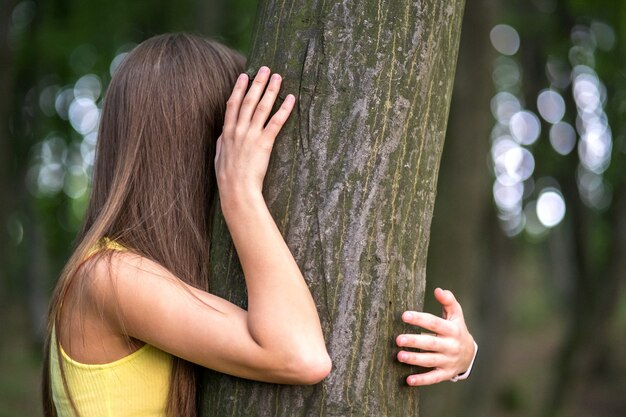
[
  {"x": 594, "y": 150},
  {"x": 580, "y": 55},
  {"x": 558, "y": 72},
  {"x": 525, "y": 127},
  {"x": 53, "y": 150},
  {"x": 593, "y": 189},
  {"x": 550, "y": 207},
  {"x": 50, "y": 178},
  {"x": 581, "y": 35},
  {"x": 512, "y": 163},
  {"x": 76, "y": 183},
  {"x": 88, "y": 86},
  {"x": 503, "y": 106},
  {"x": 551, "y": 106},
  {"x": 115, "y": 63},
  {"x": 47, "y": 99},
  {"x": 506, "y": 74},
  {"x": 15, "y": 229},
  {"x": 88, "y": 149},
  {"x": 587, "y": 93},
  {"x": 84, "y": 115},
  {"x": 508, "y": 198},
  {"x": 505, "y": 39},
  {"x": 562, "y": 138},
  {"x": 23, "y": 14},
  {"x": 62, "y": 102},
  {"x": 533, "y": 226},
  {"x": 604, "y": 35},
  {"x": 512, "y": 223}
]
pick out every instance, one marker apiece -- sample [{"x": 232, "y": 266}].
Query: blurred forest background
[{"x": 529, "y": 228}]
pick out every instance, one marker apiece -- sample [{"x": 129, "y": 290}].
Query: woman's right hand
[
  {"x": 244, "y": 147},
  {"x": 281, "y": 337}
]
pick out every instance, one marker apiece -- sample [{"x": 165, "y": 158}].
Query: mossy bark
[{"x": 351, "y": 185}]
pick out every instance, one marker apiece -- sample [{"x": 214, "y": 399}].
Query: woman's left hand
[{"x": 449, "y": 350}]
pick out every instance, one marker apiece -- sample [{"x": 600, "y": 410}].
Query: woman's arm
[
  {"x": 281, "y": 313},
  {"x": 279, "y": 339},
  {"x": 449, "y": 349}
]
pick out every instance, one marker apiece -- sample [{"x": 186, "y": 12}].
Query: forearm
[{"x": 282, "y": 316}]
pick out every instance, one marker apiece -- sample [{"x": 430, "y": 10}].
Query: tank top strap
[
  {"x": 111, "y": 244},
  {"x": 105, "y": 244}
]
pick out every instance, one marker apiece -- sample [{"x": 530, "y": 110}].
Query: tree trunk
[
  {"x": 352, "y": 186},
  {"x": 6, "y": 162}
]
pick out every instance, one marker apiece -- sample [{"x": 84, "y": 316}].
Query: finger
[
  {"x": 234, "y": 104},
  {"x": 421, "y": 341},
  {"x": 253, "y": 96},
  {"x": 428, "y": 378},
  {"x": 425, "y": 360},
  {"x": 451, "y": 307},
  {"x": 280, "y": 117},
  {"x": 428, "y": 321},
  {"x": 264, "y": 107}
]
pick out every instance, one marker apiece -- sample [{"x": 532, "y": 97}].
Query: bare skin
[{"x": 449, "y": 347}]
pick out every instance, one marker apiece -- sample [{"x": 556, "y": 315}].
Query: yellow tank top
[{"x": 136, "y": 385}]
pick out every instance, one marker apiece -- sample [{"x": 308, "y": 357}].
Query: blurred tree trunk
[
  {"x": 463, "y": 211},
  {"x": 229, "y": 21},
  {"x": 595, "y": 273},
  {"x": 30, "y": 278},
  {"x": 463, "y": 204},
  {"x": 210, "y": 16},
  {"x": 587, "y": 355},
  {"x": 352, "y": 186},
  {"x": 6, "y": 88}
]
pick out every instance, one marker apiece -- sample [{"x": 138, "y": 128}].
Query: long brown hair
[{"x": 154, "y": 183}]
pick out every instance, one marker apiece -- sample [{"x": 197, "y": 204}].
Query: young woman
[{"x": 130, "y": 317}]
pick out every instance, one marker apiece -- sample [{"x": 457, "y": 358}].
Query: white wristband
[{"x": 465, "y": 374}]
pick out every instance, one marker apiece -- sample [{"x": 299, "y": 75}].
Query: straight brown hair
[{"x": 154, "y": 185}]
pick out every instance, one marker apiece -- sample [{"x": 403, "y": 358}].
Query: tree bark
[{"x": 351, "y": 185}]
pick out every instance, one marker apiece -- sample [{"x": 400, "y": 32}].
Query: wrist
[
  {"x": 239, "y": 200},
  {"x": 466, "y": 374}
]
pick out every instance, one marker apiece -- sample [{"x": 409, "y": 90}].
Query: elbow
[
  {"x": 317, "y": 369},
  {"x": 311, "y": 368}
]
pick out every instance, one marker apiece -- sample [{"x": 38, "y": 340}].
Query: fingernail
[
  {"x": 411, "y": 381},
  {"x": 264, "y": 70},
  {"x": 408, "y": 315},
  {"x": 401, "y": 340},
  {"x": 275, "y": 77}
]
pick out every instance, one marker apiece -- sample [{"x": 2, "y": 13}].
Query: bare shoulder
[
  {"x": 106, "y": 268},
  {"x": 92, "y": 328},
  {"x": 115, "y": 281},
  {"x": 139, "y": 296}
]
